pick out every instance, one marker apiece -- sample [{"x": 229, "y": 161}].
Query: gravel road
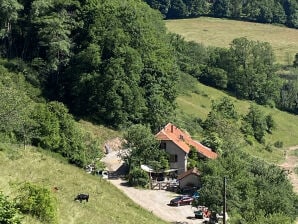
[{"x": 155, "y": 201}]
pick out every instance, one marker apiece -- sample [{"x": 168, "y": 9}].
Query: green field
[
  {"x": 220, "y": 33},
  {"x": 107, "y": 204},
  {"x": 199, "y": 102}
]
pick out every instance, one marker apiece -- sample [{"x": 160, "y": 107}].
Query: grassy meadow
[
  {"x": 107, "y": 204},
  {"x": 220, "y": 33},
  {"x": 198, "y": 104}
]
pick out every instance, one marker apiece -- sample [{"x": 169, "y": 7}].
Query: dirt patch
[
  {"x": 289, "y": 165},
  {"x": 114, "y": 144}
]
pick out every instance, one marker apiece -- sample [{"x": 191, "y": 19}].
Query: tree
[
  {"x": 177, "y": 10},
  {"x": 255, "y": 122},
  {"x": 253, "y": 75},
  {"x": 289, "y": 96},
  {"x": 221, "y": 8},
  {"x": 9, "y": 11},
  {"x": 143, "y": 148},
  {"x": 295, "y": 62},
  {"x": 131, "y": 78},
  {"x": 221, "y": 126},
  {"x": 250, "y": 182},
  {"x": 15, "y": 103}
]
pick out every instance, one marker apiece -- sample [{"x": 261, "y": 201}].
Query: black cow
[{"x": 82, "y": 197}]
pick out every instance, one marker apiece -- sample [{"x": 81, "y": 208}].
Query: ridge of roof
[{"x": 189, "y": 172}]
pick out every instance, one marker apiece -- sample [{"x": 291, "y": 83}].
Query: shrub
[
  {"x": 37, "y": 201},
  {"x": 138, "y": 177},
  {"x": 8, "y": 212},
  {"x": 278, "y": 144},
  {"x": 269, "y": 148}
]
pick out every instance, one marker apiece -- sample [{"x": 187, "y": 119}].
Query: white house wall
[{"x": 173, "y": 149}]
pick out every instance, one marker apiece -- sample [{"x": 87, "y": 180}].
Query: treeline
[
  {"x": 269, "y": 11},
  {"x": 257, "y": 192},
  {"x": 110, "y": 61},
  {"x": 247, "y": 70},
  {"x": 26, "y": 118}
]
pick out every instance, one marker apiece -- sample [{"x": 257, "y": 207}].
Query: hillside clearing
[
  {"x": 220, "y": 33},
  {"x": 107, "y": 204},
  {"x": 198, "y": 104}
]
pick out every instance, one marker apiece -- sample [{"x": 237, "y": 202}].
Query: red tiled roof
[
  {"x": 194, "y": 171},
  {"x": 183, "y": 140}
]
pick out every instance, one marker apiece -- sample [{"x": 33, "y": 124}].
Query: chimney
[{"x": 172, "y": 128}]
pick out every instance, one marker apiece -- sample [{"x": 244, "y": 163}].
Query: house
[
  {"x": 177, "y": 144},
  {"x": 190, "y": 178}
]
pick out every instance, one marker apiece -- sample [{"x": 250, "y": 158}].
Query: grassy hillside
[
  {"x": 220, "y": 33},
  {"x": 107, "y": 204},
  {"x": 198, "y": 103}
]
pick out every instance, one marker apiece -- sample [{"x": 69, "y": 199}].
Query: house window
[
  {"x": 173, "y": 158},
  {"x": 163, "y": 145}
]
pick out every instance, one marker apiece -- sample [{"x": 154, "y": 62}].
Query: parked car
[{"x": 182, "y": 200}]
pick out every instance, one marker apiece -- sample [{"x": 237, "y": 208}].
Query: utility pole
[{"x": 224, "y": 199}]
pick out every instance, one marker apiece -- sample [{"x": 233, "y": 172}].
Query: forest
[
  {"x": 269, "y": 11},
  {"x": 113, "y": 63}
]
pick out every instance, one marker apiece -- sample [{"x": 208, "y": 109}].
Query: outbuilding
[{"x": 189, "y": 179}]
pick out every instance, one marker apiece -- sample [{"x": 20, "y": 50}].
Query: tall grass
[
  {"x": 220, "y": 33},
  {"x": 198, "y": 104},
  {"x": 107, "y": 204}
]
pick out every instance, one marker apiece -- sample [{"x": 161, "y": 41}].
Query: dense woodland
[
  {"x": 112, "y": 62},
  {"x": 268, "y": 11}
]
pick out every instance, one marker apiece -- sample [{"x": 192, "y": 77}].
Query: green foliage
[
  {"x": 256, "y": 124},
  {"x": 192, "y": 158},
  {"x": 221, "y": 126},
  {"x": 295, "y": 62},
  {"x": 252, "y": 74},
  {"x": 278, "y": 144},
  {"x": 138, "y": 177},
  {"x": 255, "y": 190},
  {"x": 37, "y": 201},
  {"x": 124, "y": 70},
  {"x": 143, "y": 149},
  {"x": 9, "y": 214},
  {"x": 14, "y": 102},
  {"x": 289, "y": 96},
  {"x": 57, "y": 131},
  {"x": 269, "y": 11},
  {"x": 213, "y": 141}
]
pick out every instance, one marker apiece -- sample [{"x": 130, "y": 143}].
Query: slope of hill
[
  {"x": 198, "y": 104},
  {"x": 107, "y": 204},
  {"x": 220, "y": 33}
]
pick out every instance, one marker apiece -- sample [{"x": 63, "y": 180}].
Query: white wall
[{"x": 173, "y": 149}]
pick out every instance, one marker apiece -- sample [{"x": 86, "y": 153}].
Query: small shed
[{"x": 190, "y": 178}]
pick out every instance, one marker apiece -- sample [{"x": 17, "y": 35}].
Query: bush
[
  {"x": 8, "y": 212},
  {"x": 37, "y": 201},
  {"x": 269, "y": 148},
  {"x": 138, "y": 177},
  {"x": 278, "y": 144}
]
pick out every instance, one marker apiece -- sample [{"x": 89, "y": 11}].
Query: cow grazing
[{"x": 82, "y": 197}]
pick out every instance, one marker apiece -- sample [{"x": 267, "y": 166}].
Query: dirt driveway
[{"x": 155, "y": 201}]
